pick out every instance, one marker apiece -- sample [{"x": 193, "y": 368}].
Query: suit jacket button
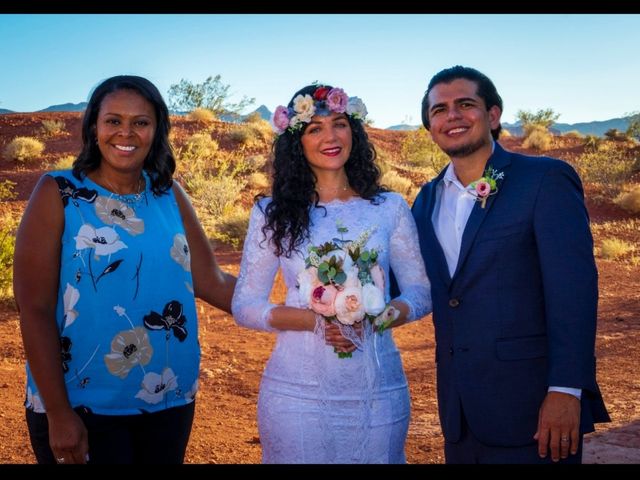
[
  {"x": 451, "y": 351},
  {"x": 454, "y": 302}
]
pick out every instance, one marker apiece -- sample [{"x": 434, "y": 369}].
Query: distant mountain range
[
  {"x": 586, "y": 128},
  {"x": 598, "y": 127},
  {"x": 264, "y": 112},
  {"x": 66, "y": 107},
  {"x": 404, "y": 126}
]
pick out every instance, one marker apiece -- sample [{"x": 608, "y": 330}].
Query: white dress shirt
[{"x": 450, "y": 215}]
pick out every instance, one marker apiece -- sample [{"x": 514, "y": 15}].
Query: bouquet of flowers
[{"x": 343, "y": 282}]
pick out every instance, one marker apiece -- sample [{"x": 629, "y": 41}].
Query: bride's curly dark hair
[{"x": 293, "y": 193}]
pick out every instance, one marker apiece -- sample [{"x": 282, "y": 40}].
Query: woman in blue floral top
[{"x": 109, "y": 259}]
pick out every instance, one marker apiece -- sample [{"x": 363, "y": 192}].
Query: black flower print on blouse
[
  {"x": 65, "y": 352},
  {"x": 68, "y": 190},
  {"x": 172, "y": 318}
]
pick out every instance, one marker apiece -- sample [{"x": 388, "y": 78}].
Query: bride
[{"x": 315, "y": 406}]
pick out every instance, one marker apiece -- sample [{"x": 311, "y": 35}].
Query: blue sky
[{"x": 585, "y": 67}]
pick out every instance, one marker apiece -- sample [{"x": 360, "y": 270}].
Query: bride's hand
[{"x": 334, "y": 338}]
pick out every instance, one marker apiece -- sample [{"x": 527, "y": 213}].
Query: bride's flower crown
[{"x": 324, "y": 101}]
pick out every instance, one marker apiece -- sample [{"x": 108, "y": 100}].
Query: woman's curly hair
[{"x": 293, "y": 191}]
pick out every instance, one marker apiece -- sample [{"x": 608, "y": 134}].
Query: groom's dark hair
[{"x": 486, "y": 90}]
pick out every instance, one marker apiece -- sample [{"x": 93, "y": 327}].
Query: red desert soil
[{"x": 233, "y": 358}]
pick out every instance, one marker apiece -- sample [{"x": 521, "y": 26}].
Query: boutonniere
[{"x": 486, "y": 185}]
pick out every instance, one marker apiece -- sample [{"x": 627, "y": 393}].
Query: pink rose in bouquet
[{"x": 344, "y": 283}]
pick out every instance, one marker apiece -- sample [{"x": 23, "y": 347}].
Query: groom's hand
[{"x": 558, "y": 425}]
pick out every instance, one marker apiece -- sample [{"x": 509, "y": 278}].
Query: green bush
[
  {"x": 573, "y": 134},
  {"x": 232, "y": 227},
  {"x": 8, "y": 227},
  {"x": 258, "y": 181},
  {"x": 6, "y": 190},
  {"x": 51, "y": 128},
  {"x": 613, "y": 248},
  {"x": 538, "y": 138},
  {"x": 23, "y": 149},
  {"x": 418, "y": 149},
  {"x": 255, "y": 162},
  {"x": 252, "y": 135},
  {"x": 201, "y": 115},
  {"x": 610, "y": 168},
  {"x": 64, "y": 163},
  {"x": 616, "y": 135},
  {"x": 254, "y": 117},
  {"x": 592, "y": 143},
  {"x": 630, "y": 200},
  {"x": 213, "y": 194}
]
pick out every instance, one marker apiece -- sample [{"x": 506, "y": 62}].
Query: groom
[{"x": 506, "y": 242}]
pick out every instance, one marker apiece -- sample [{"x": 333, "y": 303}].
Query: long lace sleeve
[
  {"x": 250, "y": 305},
  {"x": 407, "y": 265}
]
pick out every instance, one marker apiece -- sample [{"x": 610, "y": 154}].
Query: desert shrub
[
  {"x": 197, "y": 153},
  {"x": 592, "y": 143},
  {"x": 232, "y": 227},
  {"x": 202, "y": 115},
  {"x": 8, "y": 226},
  {"x": 63, "y": 163},
  {"x": 252, "y": 135},
  {"x": 633, "y": 129},
  {"x": 613, "y": 248},
  {"x": 538, "y": 138},
  {"x": 51, "y": 128},
  {"x": 573, "y": 134},
  {"x": 241, "y": 135},
  {"x": 254, "y": 117},
  {"x": 543, "y": 119},
  {"x": 630, "y": 200},
  {"x": 258, "y": 181},
  {"x": 231, "y": 164},
  {"x": 255, "y": 162},
  {"x": 611, "y": 167},
  {"x": 199, "y": 146},
  {"x": 212, "y": 94},
  {"x": 213, "y": 194},
  {"x": 616, "y": 135},
  {"x": 626, "y": 228},
  {"x": 23, "y": 149},
  {"x": 418, "y": 149},
  {"x": 7, "y": 190},
  {"x": 396, "y": 182},
  {"x": 504, "y": 133}
]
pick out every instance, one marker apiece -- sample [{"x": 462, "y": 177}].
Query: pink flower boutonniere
[{"x": 486, "y": 185}]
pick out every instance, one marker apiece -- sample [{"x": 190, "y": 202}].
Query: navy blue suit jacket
[{"x": 519, "y": 313}]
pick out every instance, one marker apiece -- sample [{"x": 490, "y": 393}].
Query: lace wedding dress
[{"x": 314, "y": 407}]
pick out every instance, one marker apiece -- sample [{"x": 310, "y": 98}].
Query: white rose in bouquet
[
  {"x": 372, "y": 299},
  {"x": 377, "y": 275}
]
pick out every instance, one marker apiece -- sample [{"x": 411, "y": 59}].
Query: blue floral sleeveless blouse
[{"x": 126, "y": 311}]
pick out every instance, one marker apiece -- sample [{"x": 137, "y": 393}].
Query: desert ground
[{"x": 233, "y": 358}]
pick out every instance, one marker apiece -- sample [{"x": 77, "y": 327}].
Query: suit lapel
[
  {"x": 499, "y": 161},
  {"x": 426, "y": 230}
]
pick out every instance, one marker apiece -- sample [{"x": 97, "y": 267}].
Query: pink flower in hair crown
[{"x": 323, "y": 101}]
